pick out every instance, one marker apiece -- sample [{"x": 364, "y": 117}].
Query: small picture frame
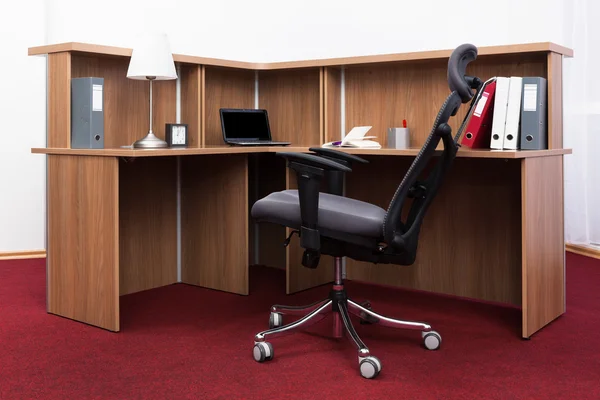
[{"x": 176, "y": 135}]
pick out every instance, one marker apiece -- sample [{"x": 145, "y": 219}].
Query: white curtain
[{"x": 581, "y": 118}]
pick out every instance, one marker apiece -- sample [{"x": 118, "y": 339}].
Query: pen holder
[{"x": 398, "y": 138}]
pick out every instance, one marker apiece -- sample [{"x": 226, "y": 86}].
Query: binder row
[{"x": 510, "y": 113}]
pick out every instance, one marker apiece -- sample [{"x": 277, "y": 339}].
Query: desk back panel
[
  {"x": 127, "y": 101},
  {"x": 470, "y": 241},
  {"x": 383, "y": 95},
  {"x": 191, "y": 77},
  {"x": 59, "y": 100},
  {"x": 293, "y": 100},
  {"x": 147, "y": 223},
  {"x": 224, "y": 88},
  {"x": 332, "y": 107}
]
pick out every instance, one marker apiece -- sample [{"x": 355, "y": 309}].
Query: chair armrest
[
  {"x": 338, "y": 155},
  {"x": 310, "y": 170},
  {"x": 315, "y": 161},
  {"x": 335, "y": 179}
]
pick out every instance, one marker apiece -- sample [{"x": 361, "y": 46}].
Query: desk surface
[{"x": 207, "y": 150}]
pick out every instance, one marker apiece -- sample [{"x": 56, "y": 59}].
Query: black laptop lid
[{"x": 244, "y": 124}]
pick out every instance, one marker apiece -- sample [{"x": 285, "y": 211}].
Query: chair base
[{"x": 341, "y": 307}]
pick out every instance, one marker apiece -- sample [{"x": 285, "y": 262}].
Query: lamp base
[{"x": 150, "y": 142}]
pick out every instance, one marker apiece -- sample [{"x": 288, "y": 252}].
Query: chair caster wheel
[
  {"x": 262, "y": 351},
  {"x": 432, "y": 340},
  {"x": 275, "y": 320},
  {"x": 369, "y": 367}
]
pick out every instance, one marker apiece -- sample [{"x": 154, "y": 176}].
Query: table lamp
[{"x": 151, "y": 60}]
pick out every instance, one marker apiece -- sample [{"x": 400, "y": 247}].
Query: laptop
[{"x": 247, "y": 127}]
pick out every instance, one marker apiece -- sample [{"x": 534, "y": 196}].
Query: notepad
[{"x": 356, "y": 138}]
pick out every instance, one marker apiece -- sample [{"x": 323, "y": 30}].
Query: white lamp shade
[{"x": 152, "y": 57}]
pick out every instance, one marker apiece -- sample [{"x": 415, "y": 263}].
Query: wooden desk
[{"x": 123, "y": 220}]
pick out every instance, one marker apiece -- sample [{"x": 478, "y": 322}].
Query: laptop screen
[{"x": 245, "y": 124}]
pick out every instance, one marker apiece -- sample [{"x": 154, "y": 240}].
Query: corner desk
[{"x": 125, "y": 220}]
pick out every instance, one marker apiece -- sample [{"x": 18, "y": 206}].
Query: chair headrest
[{"x": 457, "y": 67}]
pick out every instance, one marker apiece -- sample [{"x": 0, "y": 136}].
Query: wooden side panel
[
  {"x": 293, "y": 100},
  {"x": 214, "y": 227},
  {"x": 555, "y": 101},
  {"x": 470, "y": 240},
  {"x": 382, "y": 96},
  {"x": 299, "y": 277},
  {"x": 543, "y": 242},
  {"x": 83, "y": 239},
  {"x": 148, "y": 223},
  {"x": 191, "y": 102},
  {"x": 225, "y": 88},
  {"x": 127, "y": 101},
  {"x": 332, "y": 104},
  {"x": 59, "y": 100}
]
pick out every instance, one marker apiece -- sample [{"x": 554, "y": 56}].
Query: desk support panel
[
  {"x": 147, "y": 223},
  {"x": 543, "y": 242},
  {"x": 83, "y": 239},
  {"x": 214, "y": 222}
]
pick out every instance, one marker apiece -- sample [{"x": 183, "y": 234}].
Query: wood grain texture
[
  {"x": 127, "y": 101},
  {"x": 463, "y": 153},
  {"x": 59, "y": 100},
  {"x": 298, "y": 277},
  {"x": 191, "y": 102},
  {"x": 83, "y": 239},
  {"x": 293, "y": 100},
  {"x": 203, "y": 106},
  {"x": 321, "y": 105},
  {"x": 543, "y": 242},
  {"x": 332, "y": 104},
  {"x": 94, "y": 49},
  {"x": 555, "y": 101},
  {"x": 383, "y": 96},
  {"x": 214, "y": 223},
  {"x": 267, "y": 175},
  {"x": 470, "y": 240},
  {"x": 225, "y": 88},
  {"x": 147, "y": 224}
]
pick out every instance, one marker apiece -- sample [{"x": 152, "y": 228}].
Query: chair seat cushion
[{"x": 336, "y": 213}]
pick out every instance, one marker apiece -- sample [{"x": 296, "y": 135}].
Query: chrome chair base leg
[
  {"x": 369, "y": 365},
  {"x": 342, "y": 308}
]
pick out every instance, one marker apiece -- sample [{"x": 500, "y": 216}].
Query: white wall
[
  {"x": 259, "y": 30},
  {"x": 23, "y": 125},
  {"x": 275, "y": 30}
]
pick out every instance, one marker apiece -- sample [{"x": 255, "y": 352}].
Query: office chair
[{"x": 329, "y": 223}]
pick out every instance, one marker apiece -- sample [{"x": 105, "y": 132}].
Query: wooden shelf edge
[
  {"x": 117, "y": 152},
  {"x": 77, "y": 47},
  {"x": 583, "y": 250},
  {"x": 371, "y": 59}
]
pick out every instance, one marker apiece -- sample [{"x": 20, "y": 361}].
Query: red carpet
[{"x": 184, "y": 342}]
